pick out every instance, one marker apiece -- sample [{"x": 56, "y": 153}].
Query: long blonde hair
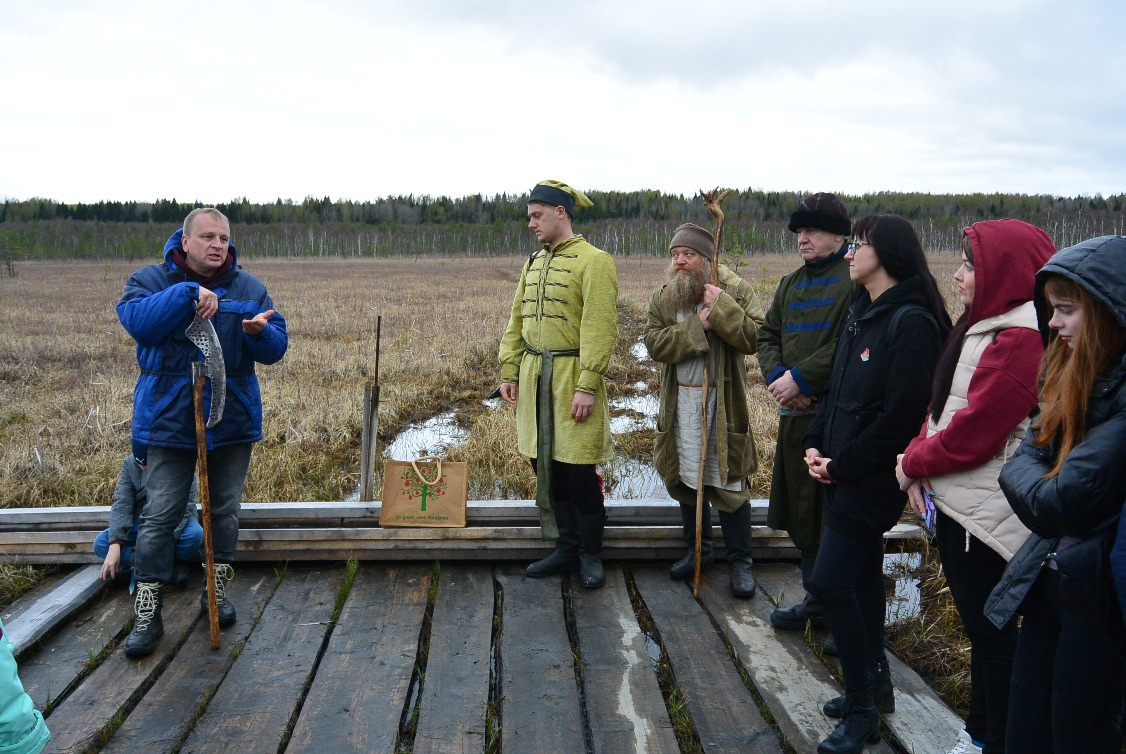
[{"x": 1069, "y": 373}]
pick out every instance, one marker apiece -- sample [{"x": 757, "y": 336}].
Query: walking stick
[
  {"x": 712, "y": 202},
  {"x": 202, "y": 333},
  {"x": 205, "y": 503}
]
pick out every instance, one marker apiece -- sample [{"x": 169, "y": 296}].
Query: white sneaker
[{"x": 965, "y": 745}]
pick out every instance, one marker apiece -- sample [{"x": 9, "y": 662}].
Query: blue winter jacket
[{"x": 156, "y": 308}]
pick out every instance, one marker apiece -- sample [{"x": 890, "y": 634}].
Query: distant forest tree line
[{"x": 621, "y": 222}]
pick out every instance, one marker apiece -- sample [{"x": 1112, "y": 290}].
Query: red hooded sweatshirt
[{"x": 1003, "y": 388}]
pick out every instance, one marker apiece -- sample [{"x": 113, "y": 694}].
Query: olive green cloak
[{"x": 735, "y": 318}]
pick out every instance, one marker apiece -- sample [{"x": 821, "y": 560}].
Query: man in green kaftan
[
  {"x": 795, "y": 354},
  {"x": 690, "y": 321},
  {"x": 553, "y": 356}
]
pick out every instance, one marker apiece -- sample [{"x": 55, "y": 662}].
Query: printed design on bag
[
  {"x": 416, "y": 488},
  {"x": 865, "y": 355}
]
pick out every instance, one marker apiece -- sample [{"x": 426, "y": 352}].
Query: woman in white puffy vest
[{"x": 983, "y": 391}]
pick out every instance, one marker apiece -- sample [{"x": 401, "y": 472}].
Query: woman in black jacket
[
  {"x": 877, "y": 397},
  {"x": 1067, "y": 482}
]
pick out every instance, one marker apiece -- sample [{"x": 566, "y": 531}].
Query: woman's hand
[
  {"x": 904, "y": 480},
  {"x": 818, "y": 466},
  {"x": 917, "y": 496}
]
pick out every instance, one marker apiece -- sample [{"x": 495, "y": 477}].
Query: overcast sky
[{"x": 360, "y": 99}]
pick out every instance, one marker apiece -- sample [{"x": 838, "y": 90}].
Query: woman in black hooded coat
[{"x": 878, "y": 393}]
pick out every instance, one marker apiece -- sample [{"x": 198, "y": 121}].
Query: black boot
[
  {"x": 737, "y": 538},
  {"x": 591, "y": 527},
  {"x": 224, "y": 573},
  {"x": 879, "y": 676},
  {"x": 861, "y": 724},
  {"x": 686, "y": 566},
  {"x": 566, "y": 555},
  {"x": 148, "y": 626},
  {"x": 794, "y": 618}
]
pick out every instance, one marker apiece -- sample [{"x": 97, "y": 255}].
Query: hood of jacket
[
  {"x": 1098, "y": 266},
  {"x": 1007, "y": 254},
  {"x": 175, "y": 242}
]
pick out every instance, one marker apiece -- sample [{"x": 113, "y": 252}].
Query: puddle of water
[
  {"x": 904, "y": 569},
  {"x": 433, "y": 437},
  {"x": 631, "y": 479}
]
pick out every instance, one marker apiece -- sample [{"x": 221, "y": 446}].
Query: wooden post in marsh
[{"x": 369, "y": 438}]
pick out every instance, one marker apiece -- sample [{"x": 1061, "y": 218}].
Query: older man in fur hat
[
  {"x": 690, "y": 321},
  {"x": 795, "y": 354},
  {"x": 553, "y": 356}
]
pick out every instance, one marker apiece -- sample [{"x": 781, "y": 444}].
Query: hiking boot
[
  {"x": 224, "y": 573},
  {"x": 591, "y": 528},
  {"x": 861, "y": 724},
  {"x": 148, "y": 626},
  {"x": 794, "y": 618},
  {"x": 737, "y": 538},
  {"x": 829, "y": 648},
  {"x": 686, "y": 566},
  {"x": 879, "y": 676},
  {"x": 566, "y": 554}
]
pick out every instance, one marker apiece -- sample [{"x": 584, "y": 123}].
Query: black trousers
[
  {"x": 577, "y": 484},
  {"x": 972, "y": 569},
  {"x": 1066, "y": 694},
  {"x": 848, "y": 579}
]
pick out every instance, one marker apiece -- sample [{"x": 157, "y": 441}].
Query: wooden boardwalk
[{"x": 455, "y": 656}]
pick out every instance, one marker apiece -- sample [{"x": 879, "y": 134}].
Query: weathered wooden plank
[
  {"x": 51, "y": 670},
  {"x": 163, "y": 717},
  {"x": 82, "y": 716},
  {"x": 623, "y": 699},
  {"x": 626, "y": 512},
  {"x": 27, "y": 600},
  {"x": 54, "y": 607},
  {"x": 540, "y": 710},
  {"x": 791, "y": 680},
  {"x": 253, "y": 706},
  {"x": 722, "y": 708},
  {"x": 456, "y": 692},
  {"x": 921, "y": 722},
  {"x": 357, "y": 697}
]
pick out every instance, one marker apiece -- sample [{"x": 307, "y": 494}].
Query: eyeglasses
[{"x": 854, "y": 246}]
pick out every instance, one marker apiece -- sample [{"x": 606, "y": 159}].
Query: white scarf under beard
[{"x": 685, "y": 287}]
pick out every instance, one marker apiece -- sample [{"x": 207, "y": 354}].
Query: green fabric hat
[{"x": 559, "y": 194}]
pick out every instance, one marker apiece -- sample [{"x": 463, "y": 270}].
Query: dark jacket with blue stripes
[
  {"x": 800, "y": 330},
  {"x": 156, "y": 308}
]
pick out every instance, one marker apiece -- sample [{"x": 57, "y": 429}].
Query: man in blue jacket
[{"x": 199, "y": 276}]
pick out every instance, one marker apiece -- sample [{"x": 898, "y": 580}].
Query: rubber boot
[
  {"x": 148, "y": 626},
  {"x": 224, "y": 573},
  {"x": 686, "y": 566},
  {"x": 879, "y": 677},
  {"x": 737, "y": 538},
  {"x": 566, "y": 554},
  {"x": 794, "y": 618},
  {"x": 860, "y": 725},
  {"x": 591, "y": 527}
]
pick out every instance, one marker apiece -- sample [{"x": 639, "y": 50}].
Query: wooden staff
[
  {"x": 205, "y": 504},
  {"x": 712, "y": 202}
]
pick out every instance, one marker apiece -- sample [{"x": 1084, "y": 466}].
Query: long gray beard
[{"x": 685, "y": 288}]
